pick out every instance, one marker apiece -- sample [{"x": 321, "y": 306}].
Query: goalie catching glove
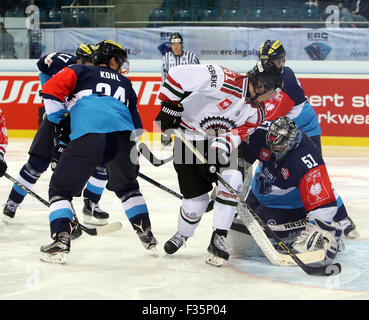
[
  {"x": 320, "y": 235},
  {"x": 170, "y": 115}
]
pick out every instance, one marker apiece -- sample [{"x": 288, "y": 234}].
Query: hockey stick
[
  {"x": 146, "y": 152},
  {"x": 157, "y": 184},
  {"x": 110, "y": 227},
  {"x": 328, "y": 270}
]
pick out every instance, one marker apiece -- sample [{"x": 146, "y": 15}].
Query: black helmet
[
  {"x": 85, "y": 52},
  {"x": 271, "y": 50},
  {"x": 108, "y": 49},
  {"x": 283, "y": 136},
  {"x": 175, "y": 38},
  {"x": 267, "y": 73}
]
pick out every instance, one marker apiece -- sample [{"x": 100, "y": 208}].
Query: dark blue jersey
[
  {"x": 101, "y": 100},
  {"x": 54, "y": 62},
  {"x": 299, "y": 179},
  {"x": 292, "y": 86}
]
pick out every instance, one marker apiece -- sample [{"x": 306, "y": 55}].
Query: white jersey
[
  {"x": 170, "y": 60},
  {"x": 214, "y": 98}
]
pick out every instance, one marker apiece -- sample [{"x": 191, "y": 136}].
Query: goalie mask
[{"x": 283, "y": 136}]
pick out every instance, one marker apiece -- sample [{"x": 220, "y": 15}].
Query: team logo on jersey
[
  {"x": 265, "y": 154},
  {"x": 217, "y": 123},
  {"x": 315, "y": 187},
  {"x": 285, "y": 173},
  {"x": 224, "y": 104}
]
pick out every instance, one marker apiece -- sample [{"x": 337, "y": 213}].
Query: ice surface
[{"x": 116, "y": 266}]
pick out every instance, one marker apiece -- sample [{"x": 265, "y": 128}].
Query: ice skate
[
  {"x": 146, "y": 237},
  {"x": 93, "y": 214},
  {"x": 57, "y": 251},
  {"x": 218, "y": 249},
  {"x": 174, "y": 243},
  {"x": 9, "y": 210}
]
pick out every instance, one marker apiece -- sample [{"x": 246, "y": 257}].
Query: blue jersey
[
  {"x": 52, "y": 63},
  {"x": 100, "y": 100},
  {"x": 298, "y": 180}
]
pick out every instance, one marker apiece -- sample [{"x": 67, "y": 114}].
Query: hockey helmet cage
[
  {"x": 283, "y": 136},
  {"x": 108, "y": 49},
  {"x": 175, "y": 38},
  {"x": 85, "y": 52},
  {"x": 271, "y": 50},
  {"x": 267, "y": 73}
]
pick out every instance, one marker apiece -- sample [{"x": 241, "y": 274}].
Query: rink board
[{"x": 340, "y": 101}]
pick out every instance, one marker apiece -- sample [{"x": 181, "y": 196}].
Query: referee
[
  {"x": 177, "y": 56},
  {"x": 174, "y": 58}
]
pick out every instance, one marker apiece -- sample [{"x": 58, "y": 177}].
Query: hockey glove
[
  {"x": 3, "y": 165},
  {"x": 58, "y": 150},
  {"x": 169, "y": 116},
  {"x": 219, "y": 154},
  {"x": 62, "y": 130}
]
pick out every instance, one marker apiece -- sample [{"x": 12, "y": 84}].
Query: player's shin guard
[
  {"x": 189, "y": 218},
  {"x": 92, "y": 213},
  {"x": 136, "y": 210}
]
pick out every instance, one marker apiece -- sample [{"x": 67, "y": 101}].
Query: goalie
[{"x": 291, "y": 165}]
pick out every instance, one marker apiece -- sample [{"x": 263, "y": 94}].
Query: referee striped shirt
[{"x": 170, "y": 60}]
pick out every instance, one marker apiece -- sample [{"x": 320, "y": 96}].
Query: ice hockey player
[
  {"x": 103, "y": 116},
  {"x": 221, "y": 111},
  {"x": 177, "y": 56},
  {"x": 50, "y": 141},
  {"x": 291, "y": 164},
  {"x": 292, "y": 102},
  {"x": 3, "y": 143}
]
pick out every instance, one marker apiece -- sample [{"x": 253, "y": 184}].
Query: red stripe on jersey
[
  {"x": 234, "y": 93},
  {"x": 316, "y": 188},
  {"x": 174, "y": 83},
  {"x": 278, "y": 107},
  {"x": 186, "y": 125},
  {"x": 61, "y": 85},
  {"x": 163, "y": 97}
]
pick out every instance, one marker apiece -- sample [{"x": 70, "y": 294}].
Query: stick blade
[
  {"x": 330, "y": 270},
  {"x": 99, "y": 231}
]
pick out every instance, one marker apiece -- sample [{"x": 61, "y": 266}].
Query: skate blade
[
  {"x": 6, "y": 219},
  {"x": 93, "y": 221},
  {"x": 215, "y": 261},
  {"x": 154, "y": 250},
  {"x": 57, "y": 258}
]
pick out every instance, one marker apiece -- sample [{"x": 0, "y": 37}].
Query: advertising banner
[
  {"x": 219, "y": 43},
  {"x": 341, "y": 103}
]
